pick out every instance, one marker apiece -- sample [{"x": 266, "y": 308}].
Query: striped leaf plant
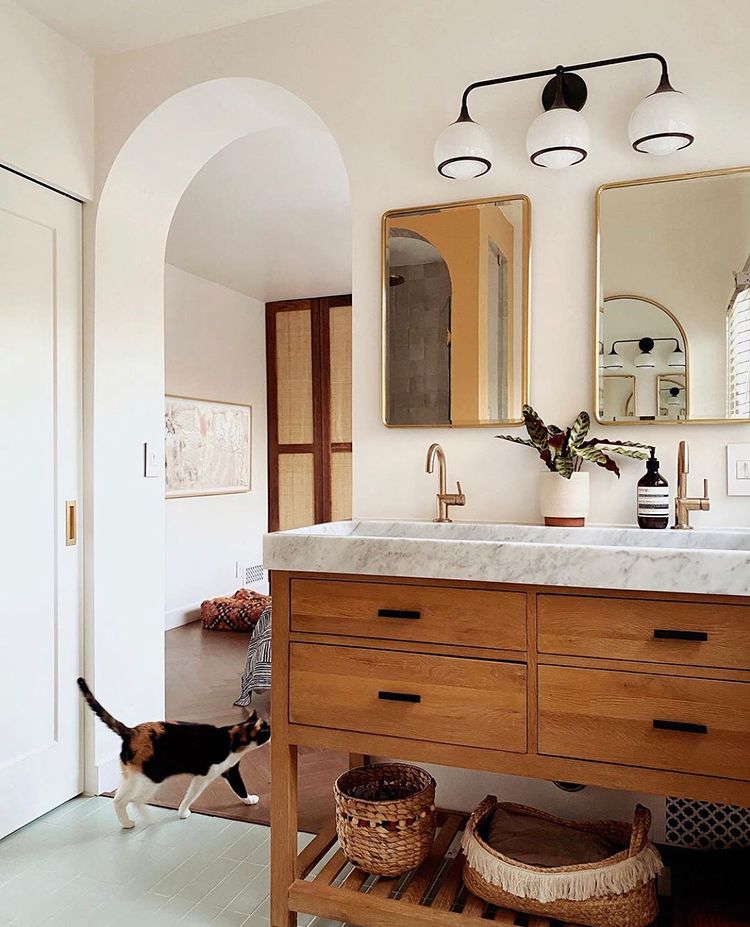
[{"x": 564, "y": 451}]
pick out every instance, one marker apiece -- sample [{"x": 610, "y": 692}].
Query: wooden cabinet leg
[{"x": 283, "y": 830}]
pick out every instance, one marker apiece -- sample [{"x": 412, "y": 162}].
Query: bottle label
[{"x": 653, "y": 502}]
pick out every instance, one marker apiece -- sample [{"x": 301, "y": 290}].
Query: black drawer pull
[
  {"x": 685, "y": 726},
  {"x": 661, "y": 634},
  {"x": 399, "y": 613},
  {"x": 399, "y": 697}
]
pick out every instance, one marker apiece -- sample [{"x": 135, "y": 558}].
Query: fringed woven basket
[
  {"x": 619, "y": 891},
  {"x": 385, "y": 817}
]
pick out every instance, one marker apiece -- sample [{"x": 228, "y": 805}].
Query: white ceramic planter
[{"x": 564, "y": 503}]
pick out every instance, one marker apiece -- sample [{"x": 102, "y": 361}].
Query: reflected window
[{"x": 738, "y": 353}]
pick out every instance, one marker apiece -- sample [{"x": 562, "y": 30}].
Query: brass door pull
[{"x": 71, "y": 523}]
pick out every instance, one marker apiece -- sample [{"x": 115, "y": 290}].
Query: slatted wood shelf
[{"x": 433, "y": 894}]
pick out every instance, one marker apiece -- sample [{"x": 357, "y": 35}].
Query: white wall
[
  {"x": 407, "y": 65},
  {"x": 404, "y": 66},
  {"x": 47, "y": 110},
  {"x": 215, "y": 348},
  {"x": 126, "y": 246}
]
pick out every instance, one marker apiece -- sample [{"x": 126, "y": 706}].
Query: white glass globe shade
[
  {"x": 613, "y": 362},
  {"x": 645, "y": 359},
  {"x": 676, "y": 359},
  {"x": 662, "y": 123},
  {"x": 558, "y": 138},
  {"x": 463, "y": 151}
]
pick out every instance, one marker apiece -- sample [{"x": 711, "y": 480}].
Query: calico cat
[{"x": 156, "y": 750}]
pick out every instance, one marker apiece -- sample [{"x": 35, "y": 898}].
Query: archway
[{"x": 125, "y": 367}]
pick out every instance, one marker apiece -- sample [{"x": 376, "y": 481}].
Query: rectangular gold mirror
[
  {"x": 455, "y": 282},
  {"x": 673, "y": 299}
]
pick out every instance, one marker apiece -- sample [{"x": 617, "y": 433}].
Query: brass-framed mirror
[
  {"x": 455, "y": 313},
  {"x": 673, "y": 297}
]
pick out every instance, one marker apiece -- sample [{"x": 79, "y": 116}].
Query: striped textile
[{"x": 257, "y": 675}]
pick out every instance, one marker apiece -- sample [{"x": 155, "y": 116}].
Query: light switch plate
[
  {"x": 738, "y": 469},
  {"x": 153, "y": 461}
]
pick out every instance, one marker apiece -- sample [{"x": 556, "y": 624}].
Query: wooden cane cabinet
[{"x": 646, "y": 692}]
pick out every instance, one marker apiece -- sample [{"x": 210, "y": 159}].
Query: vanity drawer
[
  {"x": 475, "y": 703},
  {"x": 663, "y": 722},
  {"x": 640, "y": 629},
  {"x": 429, "y": 614}
]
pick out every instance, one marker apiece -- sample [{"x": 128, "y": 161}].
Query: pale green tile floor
[{"x": 75, "y": 867}]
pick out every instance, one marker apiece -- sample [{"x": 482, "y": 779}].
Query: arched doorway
[{"x": 125, "y": 390}]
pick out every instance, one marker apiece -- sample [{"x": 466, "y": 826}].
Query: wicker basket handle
[
  {"x": 641, "y": 827},
  {"x": 484, "y": 807}
]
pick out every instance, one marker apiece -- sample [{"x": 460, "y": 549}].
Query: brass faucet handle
[{"x": 453, "y": 498}]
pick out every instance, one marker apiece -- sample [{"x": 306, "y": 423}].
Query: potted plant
[{"x": 563, "y": 486}]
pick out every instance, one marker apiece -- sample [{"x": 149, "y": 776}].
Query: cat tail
[{"x": 117, "y": 726}]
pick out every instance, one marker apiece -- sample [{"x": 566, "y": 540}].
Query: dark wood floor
[{"x": 203, "y": 670}]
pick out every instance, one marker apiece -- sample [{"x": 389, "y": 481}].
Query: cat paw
[
  {"x": 184, "y": 813},
  {"x": 128, "y": 825},
  {"x": 250, "y": 800}
]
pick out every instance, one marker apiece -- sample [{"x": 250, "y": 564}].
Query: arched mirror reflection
[
  {"x": 455, "y": 313},
  {"x": 642, "y": 343}
]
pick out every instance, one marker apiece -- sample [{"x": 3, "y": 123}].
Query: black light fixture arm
[
  {"x": 645, "y": 344},
  {"x": 562, "y": 69}
]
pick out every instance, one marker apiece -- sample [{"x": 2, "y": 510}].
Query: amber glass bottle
[{"x": 653, "y": 496}]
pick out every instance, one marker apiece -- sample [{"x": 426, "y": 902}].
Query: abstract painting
[{"x": 207, "y": 447}]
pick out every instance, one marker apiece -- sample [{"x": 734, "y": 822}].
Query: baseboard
[
  {"x": 181, "y": 616},
  {"x": 105, "y": 777}
]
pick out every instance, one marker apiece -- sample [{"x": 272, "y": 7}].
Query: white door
[{"x": 40, "y": 437}]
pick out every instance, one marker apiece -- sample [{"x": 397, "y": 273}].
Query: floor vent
[
  {"x": 706, "y": 825},
  {"x": 252, "y": 574}
]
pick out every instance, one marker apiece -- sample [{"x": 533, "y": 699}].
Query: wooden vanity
[{"x": 638, "y": 691}]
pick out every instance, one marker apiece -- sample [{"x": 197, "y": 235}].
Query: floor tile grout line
[{"x": 215, "y": 887}]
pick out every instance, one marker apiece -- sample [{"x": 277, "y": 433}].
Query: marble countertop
[{"x": 708, "y": 562}]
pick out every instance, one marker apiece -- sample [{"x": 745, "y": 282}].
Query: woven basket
[
  {"x": 385, "y": 817},
  {"x": 619, "y": 891}
]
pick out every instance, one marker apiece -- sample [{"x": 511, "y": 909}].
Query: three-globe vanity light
[
  {"x": 644, "y": 359},
  {"x": 559, "y": 137}
]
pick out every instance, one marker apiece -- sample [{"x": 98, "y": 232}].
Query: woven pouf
[
  {"x": 385, "y": 817},
  {"x": 238, "y": 612}
]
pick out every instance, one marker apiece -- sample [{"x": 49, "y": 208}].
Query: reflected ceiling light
[
  {"x": 677, "y": 357},
  {"x": 674, "y": 397},
  {"x": 613, "y": 360},
  {"x": 559, "y": 137},
  {"x": 645, "y": 358}
]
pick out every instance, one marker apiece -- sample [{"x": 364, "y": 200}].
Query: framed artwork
[{"x": 207, "y": 447}]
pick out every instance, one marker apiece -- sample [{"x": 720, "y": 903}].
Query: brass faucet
[
  {"x": 444, "y": 499},
  {"x": 683, "y": 504}
]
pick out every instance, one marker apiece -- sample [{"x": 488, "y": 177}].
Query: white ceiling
[
  {"x": 269, "y": 216},
  {"x": 104, "y": 27}
]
